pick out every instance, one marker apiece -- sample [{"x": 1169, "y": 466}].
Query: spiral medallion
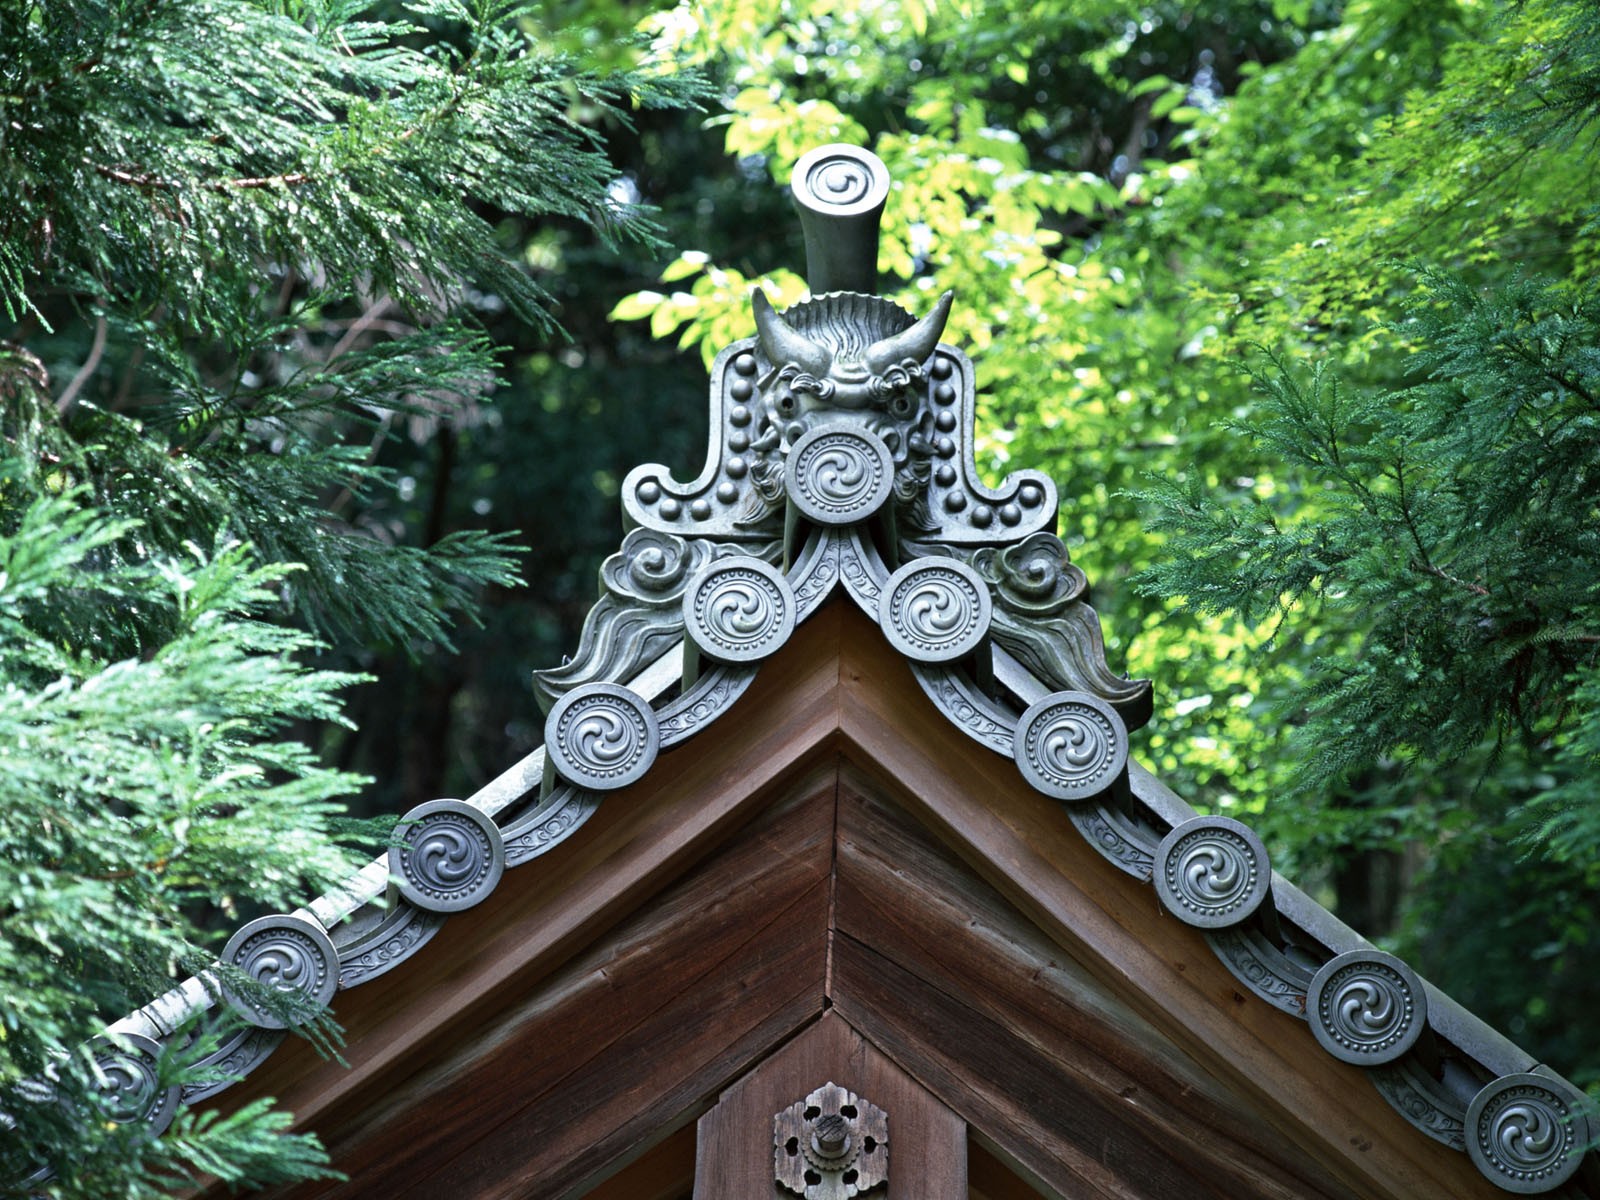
[
  {"x": 838, "y": 476},
  {"x": 840, "y": 180},
  {"x": 287, "y": 954},
  {"x": 1527, "y": 1133},
  {"x": 935, "y": 610},
  {"x": 1071, "y": 745},
  {"x": 449, "y": 856},
  {"x": 739, "y": 610},
  {"x": 132, "y": 1089},
  {"x": 1366, "y": 1007},
  {"x": 1212, "y": 872},
  {"x": 601, "y": 736}
]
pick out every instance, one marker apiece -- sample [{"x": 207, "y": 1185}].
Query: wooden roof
[
  {"x": 829, "y": 885},
  {"x": 772, "y": 843}
]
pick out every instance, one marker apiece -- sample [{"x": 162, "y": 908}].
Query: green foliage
[
  {"x": 245, "y": 250},
  {"x": 1453, "y": 525},
  {"x": 134, "y": 789}
]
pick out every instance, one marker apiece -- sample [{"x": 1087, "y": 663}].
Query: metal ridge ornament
[
  {"x": 935, "y": 610},
  {"x": 1528, "y": 1132},
  {"x": 449, "y": 856},
  {"x": 841, "y": 459},
  {"x": 1071, "y": 746},
  {"x": 288, "y": 954},
  {"x": 1366, "y": 1007},
  {"x": 601, "y": 736},
  {"x": 1212, "y": 872}
]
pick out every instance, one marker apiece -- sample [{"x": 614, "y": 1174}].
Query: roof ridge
[{"x": 846, "y": 464}]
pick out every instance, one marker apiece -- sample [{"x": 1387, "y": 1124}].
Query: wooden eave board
[{"x": 833, "y": 841}]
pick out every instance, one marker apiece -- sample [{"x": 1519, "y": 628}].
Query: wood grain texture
[
  {"x": 627, "y": 1041},
  {"x": 543, "y": 913},
  {"x": 927, "y": 1142},
  {"x": 1020, "y": 842},
  {"x": 991, "y": 1178},
  {"x": 664, "y": 1172},
  {"x": 941, "y": 970}
]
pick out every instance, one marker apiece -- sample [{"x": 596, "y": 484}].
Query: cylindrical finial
[{"x": 840, "y": 191}]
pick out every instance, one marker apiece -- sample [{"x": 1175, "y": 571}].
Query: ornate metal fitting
[
  {"x": 830, "y": 1146},
  {"x": 1366, "y": 1007},
  {"x": 1071, "y": 745},
  {"x": 935, "y": 610},
  {"x": 288, "y": 954},
  {"x": 739, "y": 610},
  {"x": 131, "y": 1088},
  {"x": 1212, "y": 872},
  {"x": 1528, "y": 1132},
  {"x": 889, "y": 410},
  {"x": 601, "y": 736},
  {"x": 449, "y": 857}
]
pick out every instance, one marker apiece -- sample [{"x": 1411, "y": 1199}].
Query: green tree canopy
[{"x": 242, "y": 245}]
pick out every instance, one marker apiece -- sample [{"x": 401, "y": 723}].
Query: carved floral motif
[{"x": 830, "y": 1146}]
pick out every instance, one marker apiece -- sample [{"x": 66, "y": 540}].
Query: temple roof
[{"x": 835, "y": 583}]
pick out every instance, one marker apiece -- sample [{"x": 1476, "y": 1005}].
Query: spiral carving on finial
[
  {"x": 1526, "y": 1134},
  {"x": 287, "y": 954},
  {"x": 1212, "y": 872},
  {"x": 449, "y": 856},
  {"x": 1071, "y": 745},
  {"x": 839, "y": 476},
  {"x": 840, "y": 179},
  {"x": 739, "y": 610},
  {"x": 1366, "y": 1007},
  {"x": 132, "y": 1089},
  {"x": 602, "y": 736},
  {"x": 935, "y": 610}
]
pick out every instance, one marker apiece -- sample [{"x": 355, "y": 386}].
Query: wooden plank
[
  {"x": 990, "y": 1178},
  {"x": 664, "y": 1172},
  {"x": 917, "y": 904},
  {"x": 927, "y": 1142},
  {"x": 627, "y": 1041},
  {"x": 542, "y": 914},
  {"x": 1019, "y": 841}
]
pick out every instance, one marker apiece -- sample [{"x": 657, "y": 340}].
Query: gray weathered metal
[
  {"x": 840, "y": 191},
  {"x": 832, "y": 1145}
]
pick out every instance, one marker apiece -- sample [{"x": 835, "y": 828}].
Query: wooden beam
[
  {"x": 486, "y": 960},
  {"x": 1113, "y": 924},
  {"x": 927, "y": 1142},
  {"x": 627, "y": 1042},
  {"x": 664, "y": 1172},
  {"x": 1036, "y": 1051}
]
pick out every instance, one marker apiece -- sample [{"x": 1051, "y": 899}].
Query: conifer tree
[{"x": 241, "y": 243}]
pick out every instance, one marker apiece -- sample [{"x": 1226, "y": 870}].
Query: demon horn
[
  {"x": 783, "y": 344},
  {"x": 915, "y": 343}
]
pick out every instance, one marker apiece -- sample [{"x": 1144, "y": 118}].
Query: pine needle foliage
[
  {"x": 243, "y": 244},
  {"x": 134, "y": 789},
  {"x": 212, "y": 209},
  {"x": 1453, "y": 527}
]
